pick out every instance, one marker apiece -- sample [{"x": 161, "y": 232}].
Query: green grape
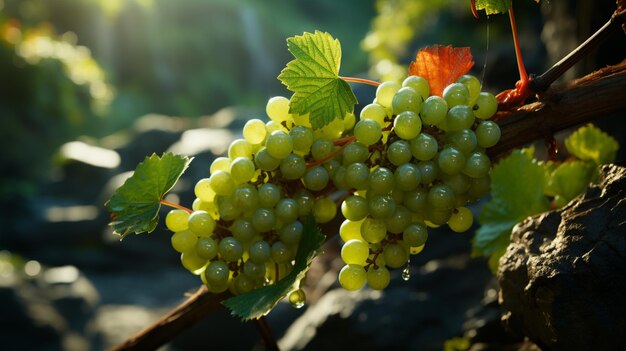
[
  {"x": 419, "y": 84},
  {"x": 385, "y": 93},
  {"x": 350, "y": 230},
  {"x": 395, "y": 255},
  {"x": 357, "y": 175},
  {"x": 316, "y": 178},
  {"x": 459, "y": 183},
  {"x": 332, "y": 130},
  {"x": 201, "y": 223},
  {"x": 477, "y": 165},
  {"x": 352, "y": 277},
  {"x": 354, "y": 152},
  {"x": 273, "y": 126},
  {"x": 254, "y": 131},
  {"x": 339, "y": 178},
  {"x": 406, "y": 99},
  {"x": 373, "y": 230},
  {"x": 441, "y": 197},
  {"x": 206, "y": 248},
  {"x": 354, "y": 208},
  {"x": 192, "y": 262},
  {"x": 222, "y": 183},
  {"x": 280, "y": 252},
  {"x": 450, "y": 160},
  {"x": 302, "y": 139},
  {"x": 242, "y": 170},
  {"x": 297, "y": 298},
  {"x": 203, "y": 190},
  {"x": 184, "y": 241},
  {"x": 456, "y": 94},
  {"x": 437, "y": 217},
  {"x": 472, "y": 84},
  {"x": 227, "y": 209},
  {"x": 479, "y": 187},
  {"x": 461, "y": 219},
  {"x": 277, "y": 109},
  {"x": 374, "y": 111},
  {"x": 259, "y": 251},
  {"x": 305, "y": 201},
  {"x": 177, "y": 220},
  {"x": 279, "y": 144},
  {"x": 324, "y": 210},
  {"x": 367, "y": 131},
  {"x": 434, "y": 110},
  {"x": 240, "y": 148},
  {"x": 399, "y": 153},
  {"x": 416, "y": 200},
  {"x": 302, "y": 120},
  {"x": 220, "y": 164},
  {"x": 332, "y": 165},
  {"x": 210, "y": 206},
  {"x": 246, "y": 198},
  {"x": 407, "y": 177},
  {"x": 269, "y": 195},
  {"x": 242, "y": 284},
  {"x": 485, "y": 106},
  {"x": 321, "y": 148},
  {"x": 217, "y": 275},
  {"x": 381, "y": 181},
  {"x": 459, "y": 117},
  {"x": 355, "y": 252},
  {"x": 399, "y": 220},
  {"x": 407, "y": 125},
  {"x": 349, "y": 120},
  {"x": 378, "y": 278},
  {"x": 230, "y": 249},
  {"x": 291, "y": 233},
  {"x": 381, "y": 206},
  {"x": 424, "y": 147},
  {"x": 487, "y": 134},
  {"x": 292, "y": 167},
  {"x": 243, "y": 230},
  {"x": 263, "y": 219},
  {"x": 265, "y": 161},
  {"x": 287, "y": 210},
  {"x": 428, "y": 171},
  {"x": 254, "y": 270},
  {"x": 463, "y": 140},
  {"x": 415, "y": 235}
]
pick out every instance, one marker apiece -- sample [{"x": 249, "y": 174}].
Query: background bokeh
[{"x": 88, "y": 88}]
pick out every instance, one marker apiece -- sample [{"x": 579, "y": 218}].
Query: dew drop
[
  {"x": 406, "y": 274},
  {"x": 297, "y": 298}
]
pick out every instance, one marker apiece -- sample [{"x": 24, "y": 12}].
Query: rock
[{"x": 563, "y": 277}]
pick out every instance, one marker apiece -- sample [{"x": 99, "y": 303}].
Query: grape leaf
[
  {"x": 569, "y": 180},
  {"x": 591, "y": 144},
  {"x": 441, "y": 66},
  {"x": 314, "y": 78},
  {"x": 134, "y": 206},
  {"x": 492, "y": 7},
  {"x": 261, "y": 301},
  {"x": 517, "y": 189}
]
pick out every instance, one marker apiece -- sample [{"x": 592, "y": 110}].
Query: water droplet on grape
[
  {"x": 297, "y": 298},
  {"x": 406, "y": 273}
]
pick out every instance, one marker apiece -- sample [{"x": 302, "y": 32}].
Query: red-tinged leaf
[{"x": 441, "y": 66}]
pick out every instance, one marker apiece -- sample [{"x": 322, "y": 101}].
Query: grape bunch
[{"x": 410, "y": 162}]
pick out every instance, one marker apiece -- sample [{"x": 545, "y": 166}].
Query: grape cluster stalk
[{"x": 410, "y": 162}]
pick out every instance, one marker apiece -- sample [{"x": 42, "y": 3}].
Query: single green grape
[
  {"x": 265, "y": 161},
  {"x": 177, "y": 220},
  {"x": 350, "y": 230},
  {"x": 407, "y": 125},
  {"x": 280, "y": 253},
  {"x": 385, "y": 93},
  {"x": 441, "y": 197},
  {"x": 305, "y": 201},
  {"x": 407, "y": 177},
  {"x": 184, "y": 241},
  {"x": 428, "y": 171},
  {"x": 399, "y": 220},
  {"x": 374, "y": 111},
  {"x": 354, "y": 152},
  {"x": 485, "y": 106},
  {"x": 242, "y": 170},
  {"x": 416, "y": 200},
  {"x": 240, "y": 148},
  {"x": 201, "y": 223},
  {"x": 324, "y": 210},
  {"x": 487, "y": 134},
  {"x": 264, "y": 219},
  {"x": 459, "y": 117},
  {"x": 419, "y": 84},
  {"x": 256, "y": 271},
  {"x": 321, "y": 148},
  {"x": 203, "y": 190},
  {"x": 357, "y": 176},
  {"x": 277, "y": 109},
  {"x": 220, "y": 164},
  {"x": 217, "y": 275},
  {"x": 246, "y": 198},
  {"x": 381, "y": 181},
  {"x": 477, "y": 165},
  {"x": 227, "y": 209},
  {"x": 450, "y": 160},
  {"x": 349, "y": 120},
  {"x": 456, "y": 94},
  {"x": 415, "y": 235},
  {"x": 352, "y": 277},
  {"x": 463, "y": 140},
  {"x": 461, "y": 219},
  {"x": 259, "y": 251},
  {"x": 434, "y": 110},
  {"x": 243, "y": 230},
  {"x": 230, "y": 249},
  {"x": 302, "y": 139},
  {"x": 399, "y": 153},
  {"x": 373, "y": 230},
  {"x": 291, "y": 233},
  {"x": 367, "y": 131},
  {"x": 279, "y": 144},
  {"x": 254, "y": 131},
  {"x": 292, "y": 167},
  {"x": 287, "y": 210},
  {"x": 192, "y": 262},
  {"x": 339, "y": 178},
  {"x": 381, "y": 206},
  {"x": 242, "y": 284},
  {"x": 378, "y": 278},
  {"x": 355, "y": 252},
  {"x": 424, "y": 147},
  {"x": 316, "y": 178},
  {"x": 206, "y": 248},
  {"x": 354, "y": 208},
  {"x": 269, "y": 195},
  {"x": 222, "y": 183},
  {"x": 472, "y": 84},
  {"x": 395, "y": 255}
]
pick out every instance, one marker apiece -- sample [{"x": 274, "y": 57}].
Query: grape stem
[
  {"x": 177, "y": 206},
  {"x": 361, "y": 81}
]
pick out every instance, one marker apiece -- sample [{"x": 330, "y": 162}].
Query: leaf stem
[
  {"x": 361, "y": 81},
  {"x": 518, "y": 50},
  {"x": 180, "y": 207}
]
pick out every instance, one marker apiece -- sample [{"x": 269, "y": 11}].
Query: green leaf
[
  {"x": 134, "y": 207},
  {"x": 517, "y": 189},
  {"x": 492, "y": 7},
  {"x": 591, "y": 144},
  {"x": 259, "y": 302},
  {"x": 314, "y": 78},
  {"x": 569, "y": 180}
]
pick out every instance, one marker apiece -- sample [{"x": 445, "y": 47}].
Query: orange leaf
[{"x": 441, "y": 66}]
